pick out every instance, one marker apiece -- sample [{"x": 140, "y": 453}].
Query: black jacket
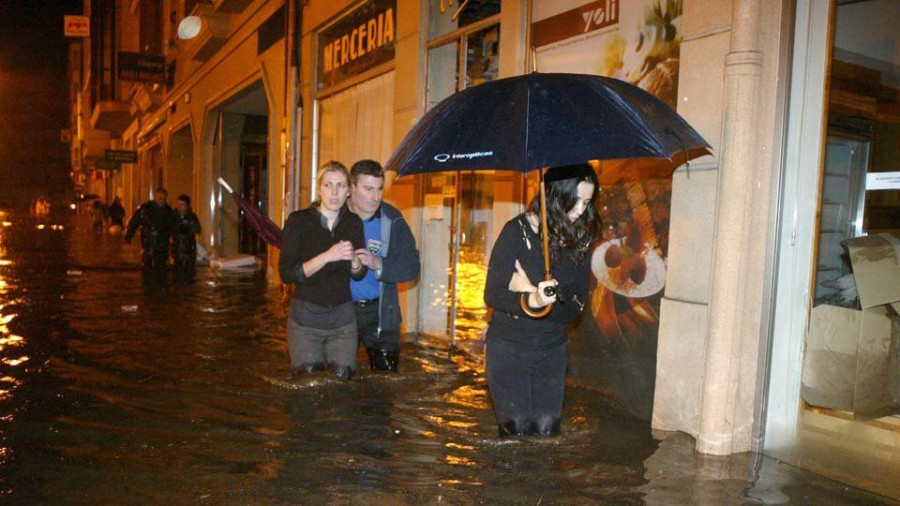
[
  {"x": 184, "y": 230},
  {"x": 399, "y": 264},
  {"x": 303, "y": 238},
  {"x": 509, "y": 323},
  {"x": 155, "y": 222}
]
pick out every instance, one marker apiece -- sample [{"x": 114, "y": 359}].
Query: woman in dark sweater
[
  {"x": 318, "y": 255},
  {"x": 526, "y": 357}
]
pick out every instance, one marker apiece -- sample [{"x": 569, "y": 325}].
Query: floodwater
[{"x": 121, "y": 389}]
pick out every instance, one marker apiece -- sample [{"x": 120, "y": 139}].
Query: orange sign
[{"x": 76, "y": 26}]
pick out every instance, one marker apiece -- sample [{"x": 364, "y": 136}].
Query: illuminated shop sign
[{"x": 361, "y": 40}]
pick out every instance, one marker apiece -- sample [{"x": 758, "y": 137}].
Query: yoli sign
[{"x": 357, "y": 42}]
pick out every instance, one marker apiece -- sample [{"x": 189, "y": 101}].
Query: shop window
[
  {"x": 465, "y": 53},
  {"x": 354, "y": 123},
  {"x": 446, "y": 16}
]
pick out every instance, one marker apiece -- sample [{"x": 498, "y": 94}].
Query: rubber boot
[
  {"x": 372, "y": 357},
  {"x": 384, "y": 360},
  {"x": 308, "y": 368},
  {"x": 344, "y": 371},
  {"x": 393, "y": 360}
]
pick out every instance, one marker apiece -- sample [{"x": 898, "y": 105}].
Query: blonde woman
[{"x": 318, "y": 254}]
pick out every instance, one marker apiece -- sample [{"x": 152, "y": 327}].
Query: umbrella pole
[{"x": 545, "y": 238}]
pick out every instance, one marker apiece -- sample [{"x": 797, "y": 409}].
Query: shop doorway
[
  {"x": 254, "y": 181},
  {"x": 240, "y": 143}
]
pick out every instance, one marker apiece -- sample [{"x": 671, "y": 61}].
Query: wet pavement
[{"x": 117, "y": 388}]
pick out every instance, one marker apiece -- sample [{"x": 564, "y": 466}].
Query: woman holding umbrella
[
  {"x": 319, "y": 254},
  {"x": 526, "y": 346}
]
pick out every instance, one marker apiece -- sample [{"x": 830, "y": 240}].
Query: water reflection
[
  {"x": 471, "y": 312},
  {"x": 181, "y": 393}
]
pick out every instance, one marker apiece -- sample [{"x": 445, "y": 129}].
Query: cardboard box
[
  {"x": 876, "y": 267},
  {"x": 852, "y": 359}
]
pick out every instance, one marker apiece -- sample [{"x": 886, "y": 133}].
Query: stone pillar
[{"x": 726, "y": 410}]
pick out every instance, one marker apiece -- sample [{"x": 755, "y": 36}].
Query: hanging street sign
[
  {"x": 120, "y": 156},
  {"x": 142, "y": 67}
]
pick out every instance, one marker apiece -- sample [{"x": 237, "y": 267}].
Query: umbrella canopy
[
  {"x": 539, "y": 120},
  {"x": 266, "y": 228}
]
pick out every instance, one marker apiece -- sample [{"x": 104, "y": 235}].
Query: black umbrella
[{"x": 536, "y": 121}]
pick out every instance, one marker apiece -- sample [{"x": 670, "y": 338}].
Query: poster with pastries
[{"x": 637, "y": 41}]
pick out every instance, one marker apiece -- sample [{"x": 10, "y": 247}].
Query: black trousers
[
  {"x": 526, "y": 386},
  {"x": 367, "y": 327}
]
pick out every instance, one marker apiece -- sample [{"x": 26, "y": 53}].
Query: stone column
[{"x": 726, "y": 410}]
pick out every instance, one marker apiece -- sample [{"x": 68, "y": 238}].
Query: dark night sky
[{"x": 33, "y": 98}]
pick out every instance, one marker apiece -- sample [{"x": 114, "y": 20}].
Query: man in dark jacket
[
  {"x": 184, "y": 235},
  {"x": 116, "y": 213},
  {"x": 391, "y": 257},
  {"x": 155, "y": 219}
]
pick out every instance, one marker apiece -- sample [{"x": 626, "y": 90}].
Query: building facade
[{"x": 713, "y": 345}]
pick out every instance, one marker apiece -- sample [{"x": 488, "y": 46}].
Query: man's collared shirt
[{"x": 369, "y": 287}]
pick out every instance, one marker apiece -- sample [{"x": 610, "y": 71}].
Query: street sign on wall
[
  {"x": 120, "y": 156},
  {"x": 142, "y": 67}
]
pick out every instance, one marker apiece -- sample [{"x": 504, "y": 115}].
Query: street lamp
[{"x": 189, "y": 27}]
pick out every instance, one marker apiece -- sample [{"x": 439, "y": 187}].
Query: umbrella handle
[
  {"x": 545, "y": 238},
  {"x": 537, "y": 313}
]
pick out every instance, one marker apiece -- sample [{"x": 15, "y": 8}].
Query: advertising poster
[{"x": 613, "y": 346}]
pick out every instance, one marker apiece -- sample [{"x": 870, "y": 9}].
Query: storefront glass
[
  {"x": 447, "y": 16},
  {"x": 833, "y": 402},
  {"x": 459, "y": 207}
]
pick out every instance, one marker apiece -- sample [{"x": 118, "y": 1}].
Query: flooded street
[{"x": 119, "y": 389}]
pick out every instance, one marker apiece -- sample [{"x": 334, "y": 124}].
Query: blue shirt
[{"x": 368, "y": 287}]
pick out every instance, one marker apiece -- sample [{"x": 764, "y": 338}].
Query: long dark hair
[{"x": 571, "y": 239}]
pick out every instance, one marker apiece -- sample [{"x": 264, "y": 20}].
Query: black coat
[{"x": 155, "y": 222}]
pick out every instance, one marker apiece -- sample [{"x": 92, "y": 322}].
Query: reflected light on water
[
  {"x": 471, "y": 314},
  {"x": 15, "y": 361},
  {"x": 458, "y": 446},
  {"x": 4, "y": 263},
  {"x": 41, "y": 226},
  {"x": 469, "y": 396},
  {"x": 11, "y": 340},
  {"x": 458, "y": 461},
  {"x": 7, "y": 223}
]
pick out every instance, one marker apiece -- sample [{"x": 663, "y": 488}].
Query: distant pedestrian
[
  {"x": 155, "y": 219},
  {"x": 318, "y": 255},
  {"x": 184, "y": 233},
  {"x": 116, "y": 214},
  {"x": 98, "y": 215}
]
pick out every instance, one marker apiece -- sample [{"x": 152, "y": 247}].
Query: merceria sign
[{"x": 357, "y": 42}]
